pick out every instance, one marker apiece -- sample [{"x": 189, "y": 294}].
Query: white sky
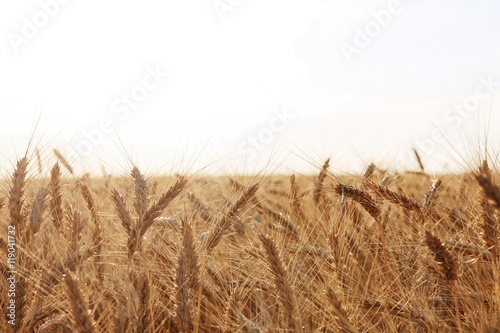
[{"x": 230, "y": 70}]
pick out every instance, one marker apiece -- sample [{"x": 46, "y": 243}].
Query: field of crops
[{"x": 376, "y": 252}]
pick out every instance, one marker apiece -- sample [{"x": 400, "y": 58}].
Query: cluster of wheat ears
[{"x": 378, "y": 252}]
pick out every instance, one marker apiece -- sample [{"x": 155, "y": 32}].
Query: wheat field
[{"x": 376, "y": 252}]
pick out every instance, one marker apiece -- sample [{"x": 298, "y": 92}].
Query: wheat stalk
[
  {"x": 419, "y": 160},
  {"x": 339, "y": 311},
  {"x": 282, "y": 284},
  {"x": 16, "y": 194},
  {"x": 122, "y": 211},
  {"x": 318, "y": 185},
  {"x": 36, "y": 213},
  {"x": 431, "y": 195},
  {"x": 398, "y": 198},
  {"x": 55, "y": 203},
  {"x": 448, "y": 266},
  {"x": 63, "y": 161},
  {"x": 159, "y": 206},
  {"x": 97, "y": 232},
  {"x": 82, "y": 320},
  {"x": 367, "y": 202},
  {"x": 141, "y": 194},
  {"x": 215, "y": 235}
]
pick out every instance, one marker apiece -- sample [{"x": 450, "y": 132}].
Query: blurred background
[{"x": 229, "y": 86}]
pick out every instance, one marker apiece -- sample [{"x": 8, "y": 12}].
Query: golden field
[{"x": 375, "y": 252}]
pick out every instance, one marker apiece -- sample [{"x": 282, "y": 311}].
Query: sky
[{"x": 246, "y": 86}]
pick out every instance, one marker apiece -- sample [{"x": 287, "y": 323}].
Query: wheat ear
[
  {"x": 141, "y": 194},
  {"x": 367, "y": 202},
  {"x": 339, "y": 311},
  {"x": 419, "y": 160},
  {"x": 215, "y": 234},
  {"x": 82, "y": 320},
  {"x": 318, "y": 186},
  {"x": 16, "y": 194},
  {"x": 63, "y": 161},
  {"x": 122, "y": 211},
  {"x": 448, "y": 266},
  {"x": 97, "y": 232},
  {"x": 398, "y": 198},
  {"x": 282, "y": 284},
  {"x": 36, "y": 213},
  {"x": 55, "y": 203},
  {"x": 491, "y": 191}
]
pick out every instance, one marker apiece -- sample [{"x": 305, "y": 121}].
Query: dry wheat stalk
[
  {"x": 188, "y": 277},
  {"x": 360, "y": 196},
  {"x": 200, "y": 207},
  {"x": 63, "y": 161},
  {"x": 233, "y": 314},
  {"x": 419, "y": 160},
  {"x": 120, "y": 322},
  {"x": 51, "y": 276},
  {"x": 431, "y": 195},
  {"x": 399, "y": 309},
  {"x": 97, "y": 231},
  {"x": 370, "y": 170},
  {"x": 39, "y": 161},
  {"x": 367, "y": 202},
  {"x": 293, "y": 188},
  {"x": 143, "y": 322},
  {"x": 191, "y": 255},
  {"x": 457, "y": 219},
  {"x": 76, "y": 225},
  {"x": 282, "y": 284},
  {"x": 489, "y": 228},
  {"x": 295, "y": 198},
  {"x": 184, "y": 307},
  {"x": 246, "y": 324},
  {"x": 159, "y": 206},
  {"x": 36, "y": 213},
  {"x": 16, "y": 194},
  {"x": 55, "y": 203},
  {"x": 122, "y": 211},
  {"x": 398, "y": 198},
  {"x": 141, "y": 194},
  {"x": 137, "y": 230},
  {"x": 465, "y": 249},
  {"x": 313, "y": 251},
  {"x": 21, "y": 301},
  {"x": 339, "y": 311},
  {"x": 97, "y": 234},
  {"x": 82, "y": 320},
  {"x": 448, "y": 265},
  {"x": 283, "y": 220},
  {"x": 365, "y": 260},
  {"x": 318, "y": 185},
  {"x": 491, "y": 191},
  {"x": 38, "y": 312},
  {"x": 442, "y": 256},
  {"x": 215, "y": 234}
]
